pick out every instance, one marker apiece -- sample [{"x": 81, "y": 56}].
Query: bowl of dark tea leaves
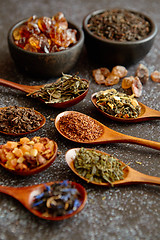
[{"x": 118, "y": 36}]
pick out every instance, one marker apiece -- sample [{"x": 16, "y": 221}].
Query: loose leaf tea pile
[
  {"x": 79, "y": 127},
  {"x": 119, "y": 25},
  {"x": 98, "y": 167},
  {"x": 58, "y": 199},
  {"x": 118, "y": 104},
  {"x": 15, "y": 119},
  {"x": 65, "y": 89}
]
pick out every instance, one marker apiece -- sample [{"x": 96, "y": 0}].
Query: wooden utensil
[
  {"x": 131, "y": 176},
  {"x": 43, "y": 121},
  {"x": 36, "y": 169},
  {"x": 31, "y": 89},
  {"x": 108, "y": 135},
  {"x": 25, "y": 195},
  {"x": 145, "y": 114}
]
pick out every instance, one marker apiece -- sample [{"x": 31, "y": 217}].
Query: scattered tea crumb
[
  {"x": 138, "y": 162},
  {"x": 52, "y": 119}
]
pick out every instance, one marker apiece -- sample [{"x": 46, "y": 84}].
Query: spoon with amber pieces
[
  {"x": 32, "y": 161},
  {"x": 9, "y": 129},
  {"x": 103, "y": 134},
  {"x": 146, "y": 113},
  {"x": 130, "y": 175},
  {"x": 26, "y": 195},
  {"x": 31, "y": 89}
]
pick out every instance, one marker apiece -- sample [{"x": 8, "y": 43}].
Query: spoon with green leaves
[{"x": 100, "y": 168}]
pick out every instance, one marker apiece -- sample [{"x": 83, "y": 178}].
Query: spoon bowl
[
  {"x": 145, "y": 114},
  {"x": 25, "y": 195},
  {"x": 42, "y": 123},
  {"x": 108, "y": 135},
  {"x": 130, "y": 176},
  {"x": 31, "y": 89},
  {"x": 36, "y": 169}
]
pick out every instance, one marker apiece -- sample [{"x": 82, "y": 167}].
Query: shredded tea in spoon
[
  {"x": 118, "y": 104},
  {"x": 15, "y": 120},
  {"x": 98, "y": 167},
  {"x": 58, "y": 199},
  {"x": 68, "y": 87}
]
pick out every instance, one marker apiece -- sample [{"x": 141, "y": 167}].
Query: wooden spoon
[
  {"x": 108, "y": 135},
  {"x": 36, "y": 169},
  {"x": 31, "y": 89},
  {"x": 131, "y": 176},
  {"x": 25, "y": 195},
  {"x": 145, "y": 114},
  {"x": 43, "y": 121}
]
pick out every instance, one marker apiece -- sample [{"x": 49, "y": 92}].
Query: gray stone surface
[{"x": 129, "y": 212}]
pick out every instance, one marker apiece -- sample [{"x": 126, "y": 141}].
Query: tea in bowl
[
  {"x": 44, "y": 46},
  {"x": 118, "y": 36}
]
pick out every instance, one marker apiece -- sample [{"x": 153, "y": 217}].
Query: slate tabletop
[{"x": 130, "y": 212}]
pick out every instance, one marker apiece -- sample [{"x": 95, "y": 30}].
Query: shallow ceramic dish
[
  {"x": 45, "y": 64},
  {"x": 110, "y": 52}
]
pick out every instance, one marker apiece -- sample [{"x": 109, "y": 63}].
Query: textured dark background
[{"x": 130, "y": 212}]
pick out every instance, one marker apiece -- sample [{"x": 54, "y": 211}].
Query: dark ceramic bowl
[
  {"x": 111, "y": 52},
  {"x": 46, "y": 64}
]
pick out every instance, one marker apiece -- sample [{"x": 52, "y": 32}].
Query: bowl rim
[
  {"x": 11, "y": 40},
  {"x": 150, "y": 36}
]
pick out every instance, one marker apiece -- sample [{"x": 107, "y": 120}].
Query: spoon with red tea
[
  {"x": 31, "y": 89},
  {"x": 130, "y": 175},
  {"x": 146, "y": 113},
  {"x": 12, "y": 129},
  {"x": 26, "y": 196},
  {"x": 29, "y": 159},
  {"x": 103, "y": 133}
]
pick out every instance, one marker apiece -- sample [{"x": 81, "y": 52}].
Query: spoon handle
[
  {"x": 12, "y": 191},
  {"x": 138, "y": 177},
  {"x": 116, "y": 137},
  {"x": 143, "y": 142},
  {"x": 23, "y": 88},
  {"x": 150, "y": 113}
]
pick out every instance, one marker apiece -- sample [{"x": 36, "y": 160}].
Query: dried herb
[
  {"x": 15, "y": 119},
  {"x": 119, "y": 25},
  {"x": 58, "y": 199},
  {"x": 118, "y": 104},
  {"x": 80, "y": 127},
  {"x": 67, "y": 88},
  {"x": 98, "y": 167}
]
